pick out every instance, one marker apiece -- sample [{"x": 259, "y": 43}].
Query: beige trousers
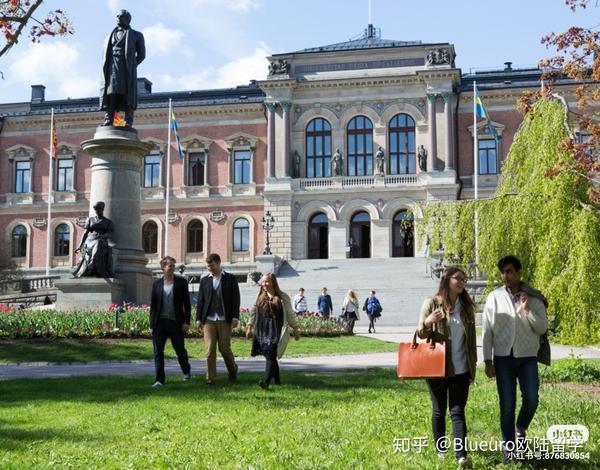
[{"x": 217, "y": 332}]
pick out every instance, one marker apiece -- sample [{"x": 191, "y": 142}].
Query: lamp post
[{"x": 267, "y": 222}]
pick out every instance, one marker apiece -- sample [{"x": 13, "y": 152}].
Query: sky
[{"x": 204, "y": 44}]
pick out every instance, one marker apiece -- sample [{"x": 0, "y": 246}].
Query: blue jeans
[{"x": 508, "y": 370}]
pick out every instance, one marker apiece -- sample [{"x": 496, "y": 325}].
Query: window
[
  {"x": 318, "y": 148},
  {"x": 241, "y": 162},
  {"x": 64, "y": 180},
  {"x": 152, "y": 171},
  {"x": 22, "y": 177},
  {"x": 194, "y": 237},
  {"x": 19, "y": 242},
  {"x": 150, "y": 238},
  {"x": 62, "y": 236},
  {"x": 487, "y": 157},
  {"x": 360, "y": 146},
  {"x": 241, "y": 235},
  {"x": 402, "y": 145},
  {"x": 196, "y": 162}
]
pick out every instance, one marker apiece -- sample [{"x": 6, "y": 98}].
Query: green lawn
[
  {"x": 73, "y": 350},
  {"x": 312, "y": 421}
]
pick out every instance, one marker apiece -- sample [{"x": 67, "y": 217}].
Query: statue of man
[
  {"x": 380, "y": 162},
  {"x": 123, "y": 52},
  {"x": 422, "y": 156},
  {"x": 338, "y": 161},
  {"x": 297, "y": 161}
]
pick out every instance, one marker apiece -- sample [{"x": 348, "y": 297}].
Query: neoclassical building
[{"x": 342, "y": 144}]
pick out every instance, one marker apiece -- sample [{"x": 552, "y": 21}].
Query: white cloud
[
  {"x": 113, "y": 5},
  {"x": 55, "y": 65},
  {"x": 233, "y": 5},
  {"x": 162, "y": 40}
]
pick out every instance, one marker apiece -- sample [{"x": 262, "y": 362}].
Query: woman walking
[
  {"x": 271, "y": 319},
  {"x": 350, "y": 310},
  {"x": 373, "y": 309},
  {"x": 450, "y": 317}
]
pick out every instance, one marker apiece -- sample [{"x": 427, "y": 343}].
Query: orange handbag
[{"x": 422, "y": 360}]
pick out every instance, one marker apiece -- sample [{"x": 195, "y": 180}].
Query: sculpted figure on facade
[
  {"x": 338, "y": 163},
  {"x": 279, "y": 67},
  {"x": 123, "y": 52},
  {"x": 439, "y": 57},
  {"x": 380, "y": 162},
  {"x": 422, "y": 157},
  {"x": 94, "y": 247},
  {"x": 297, "y": 160}
]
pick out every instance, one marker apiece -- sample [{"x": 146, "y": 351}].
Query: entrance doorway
[
  {"x": 360, "y": 231},
  {"x": 403, "y": 235},
  {"x": 318, "y": 235}
]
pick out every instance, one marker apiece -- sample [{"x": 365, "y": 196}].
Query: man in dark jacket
[
  {"x": 170, "y": 313},
  {"x": 217, "y": 313},
  {"x": 324, "y": 303}
]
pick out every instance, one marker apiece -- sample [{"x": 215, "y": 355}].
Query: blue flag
[
  {"x": 176, "y": 131},
  {"x": 481, "y": 112}
]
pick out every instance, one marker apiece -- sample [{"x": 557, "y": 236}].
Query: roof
[{"x": 357, "y": 44}]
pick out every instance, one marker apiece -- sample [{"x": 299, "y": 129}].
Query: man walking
[
  {"x": 170, "y": 312},
  {"x": 514, "y": 318},
  {"x": 217, "y": 313},
  {"x": 324, "y": 303},
  {"x": 299, "y": 305}
]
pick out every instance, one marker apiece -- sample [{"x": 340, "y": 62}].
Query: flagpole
[
  {"x": 476, "y": 172},
  {"x": 168, "y": 185},
  {"x": 50, "y": 174}
]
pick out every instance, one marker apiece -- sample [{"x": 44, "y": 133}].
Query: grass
[
  {"x": 312, "y": 421},
  {"x": 75, "y": 350}
]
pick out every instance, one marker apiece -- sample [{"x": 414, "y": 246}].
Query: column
[
  {"x": 286, "y": 106},
  {"x": 449, "y": 161},
  {"x": 432, "y": 154},
  {"x": 270, "y": 139}
]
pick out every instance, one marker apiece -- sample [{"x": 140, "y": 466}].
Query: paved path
[{"x": 313, "y": 363}]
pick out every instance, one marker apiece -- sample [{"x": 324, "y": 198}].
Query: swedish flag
[
  {"x": 481, "y": 112},
  {"x": 176, "y": 131}
]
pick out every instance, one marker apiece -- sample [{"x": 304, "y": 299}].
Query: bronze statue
[
  {"x": 297, "y": 161},
  {"x": 123, "y": 52},
  {"x": 338, "y": 162},
  {"x": 422, "y": 156},
  {"x": 94, "y": 247},
  {"x": 380, "y": 162}
]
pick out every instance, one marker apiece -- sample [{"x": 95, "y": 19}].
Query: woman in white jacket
[{"x": 350, "y": 310}]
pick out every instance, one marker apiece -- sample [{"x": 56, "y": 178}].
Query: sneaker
[
  {"x": 187, "y": 377},
  {"x": 264, "y": 385},
  {"x": 463, "y": 462},
  {"x": 157, "y": 384},
  {"x": 233, "y": 375}
]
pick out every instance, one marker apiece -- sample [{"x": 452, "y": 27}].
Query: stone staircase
[{"x": 401, "y": 284}]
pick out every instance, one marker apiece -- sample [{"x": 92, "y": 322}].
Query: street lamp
[{"x": 267, "y": 222}]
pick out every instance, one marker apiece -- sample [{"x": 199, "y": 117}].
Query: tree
[{"x": 16, "y": 14}]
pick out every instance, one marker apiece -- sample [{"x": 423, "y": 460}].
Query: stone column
[
  {"x": 117, "y": 157},
  {"x": 432, "y": 154},
  {"x": 270, "y": 139},
  {"x": 449, "y": 162},
  {"x": 286, "y": 106}
]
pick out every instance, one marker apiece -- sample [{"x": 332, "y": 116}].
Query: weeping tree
[{"x": 539, "y": 214}]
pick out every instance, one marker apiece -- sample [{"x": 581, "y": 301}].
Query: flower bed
[{"x": 132, "y": 322}]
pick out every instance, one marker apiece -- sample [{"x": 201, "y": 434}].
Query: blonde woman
[
  {"x": 271, "y": 318},
  {"x": 350, "y": 310}
]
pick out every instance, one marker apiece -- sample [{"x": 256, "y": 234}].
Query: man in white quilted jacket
[{"x": 514, "y": 318}]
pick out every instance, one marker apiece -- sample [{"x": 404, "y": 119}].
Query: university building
[{"x": 341, "y": 143}]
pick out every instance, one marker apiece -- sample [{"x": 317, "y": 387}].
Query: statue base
[{"x": 88, "y": 293}]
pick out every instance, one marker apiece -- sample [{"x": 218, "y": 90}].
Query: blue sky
[{"x": 201, "y": 44}]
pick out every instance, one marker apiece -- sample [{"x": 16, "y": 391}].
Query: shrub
[{"x": 573, "y": 369}]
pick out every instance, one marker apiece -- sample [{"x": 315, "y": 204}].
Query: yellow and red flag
[{"x": 54, "y": 138}]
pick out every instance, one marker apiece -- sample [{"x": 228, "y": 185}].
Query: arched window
[
  {"x": 62, "y": 237},
  {"x": 318, "y": 148},
  {"x": 195, "y": 231},
  {"x": 402, "y": 145},
  {"x": 241, "y": 235},
  {"x": 150, "y": 237},
  {"x": 360, "y": 146},
  {"x": 19, "y": 242}
]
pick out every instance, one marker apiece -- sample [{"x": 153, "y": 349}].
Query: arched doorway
[
  {"x": 403, "y": 235},
  {"x": 318, "y": 234},
  {"x": 360, "y": 231}
]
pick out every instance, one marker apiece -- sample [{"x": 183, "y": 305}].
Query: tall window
[
  {"x": 150, "y": 238},
  {"x": 402, "y": 145},
  {"x": 318, "y": 148},
  {"x": 487, "y": 157},
  {"x": 241, "y": 162},
  {"x": 18, "y": 248},
  {"x": 151, "y": 171},
  {"x": 62, "y": 236},
  {"x": 22, "y": 177},
  {"x": 194, "y": 237},
  {"x": 196, "y": 162},
  {"x": 64, "y": 180},
  {"x": 360, "y": 146},
  {"x": 241, "y": 235}
]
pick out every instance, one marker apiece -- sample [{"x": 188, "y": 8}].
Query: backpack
[{"x": 374, "y": 307}]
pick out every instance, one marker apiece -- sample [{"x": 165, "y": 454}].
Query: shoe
[
  {"x": 508, "y": 457},
  {"x": 233, "y": 375},
  {"x": 463, "y": 462},
  {"x": 264, "y": 385},
  {"x": 369, "y": 330},
  {"x": 157, "y": 384},
  {"x": 209, "y": 383},
  {"x": 187, "y": 377}
]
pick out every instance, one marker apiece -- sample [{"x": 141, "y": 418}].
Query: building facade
[{"x": 342, "y": 144}]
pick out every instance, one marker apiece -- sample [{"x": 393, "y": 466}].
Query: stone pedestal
[
  {"x": 268, "y": 263},
  {"x": 88, "y": 293},
  {"x": 117, "y": 156}
]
